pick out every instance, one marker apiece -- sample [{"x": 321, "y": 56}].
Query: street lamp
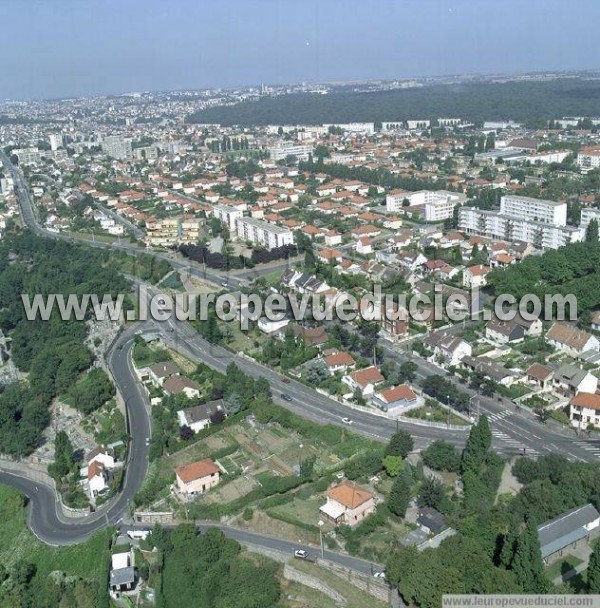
[{"x": 321, "y": 523}]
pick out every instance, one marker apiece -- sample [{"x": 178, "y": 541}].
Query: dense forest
[
  {"x": 52, "y": 352},
  {"x": 529, "y": 102}
]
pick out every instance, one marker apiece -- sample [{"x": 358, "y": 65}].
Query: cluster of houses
[{"x": 99, "y": 471}]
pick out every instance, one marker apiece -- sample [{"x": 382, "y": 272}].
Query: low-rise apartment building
[{"x": 262, "y": 233}]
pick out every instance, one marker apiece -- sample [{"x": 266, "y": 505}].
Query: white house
[
  {"x": 198, "y": 417},
  {"x": 365, "y": 380},
  {"x": 397, "y": 400},
  {"x": 584, "y": 410}
]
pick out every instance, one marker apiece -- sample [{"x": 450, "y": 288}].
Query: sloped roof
[
  {"x": 349, "y": 494},
  {"x": 196, "y": 470}
]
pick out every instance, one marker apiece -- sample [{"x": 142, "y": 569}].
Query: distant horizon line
[{"x": 337, "y": 83}]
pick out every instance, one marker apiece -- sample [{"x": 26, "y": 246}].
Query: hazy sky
[{"x": 53, "y": 48}]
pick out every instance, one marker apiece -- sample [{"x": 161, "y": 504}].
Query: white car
[
  {"x": 346, "y": 420},
  {"x": 379, "y": 574},
  {"x": 301, "y": 553}
]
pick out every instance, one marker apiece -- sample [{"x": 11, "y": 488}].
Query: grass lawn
[
  {"x": 435, "y": 414},
  {"x": 304, "y": 511},
  {"x": 562, "y": 566},
  {"x": 87, "y": 560}
]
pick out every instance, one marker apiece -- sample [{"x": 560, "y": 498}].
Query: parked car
[
  {"x": 379, "y": 574},
  {"x": 301, "y": 553},
  {"x": 285, "y": 380}
]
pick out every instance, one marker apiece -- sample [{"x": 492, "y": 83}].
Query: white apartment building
[
  {"x": 587, "y": 215},
  {"x": 512, "y": 228},
  {"x": 227, "y": 215},
  {"x": 55, "y": 140},
  {"x": 534, "y": 209},
  {"x": 418, "y": 124},
  {"x": 366, "y": 128},
  {"x": 117, "y": 147},
  {"x": 439, "y": 204},
  {"x": 283, "y": 149},
  {"x": 27, "y": 156},
  {"x": 263, "y": 233},
  {"x": 589, "y": 158}
]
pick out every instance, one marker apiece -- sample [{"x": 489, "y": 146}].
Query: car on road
[
  {"x": 224, "y": 284},
  {"x": 147, "y": 440},
  {"x": 285, "y": 397},
  {"x": 379, "y": 574},
  {"x": 285, "y": 380},
  {"x": 301, "y": 553},
  {"x": 346, "y": 420}
]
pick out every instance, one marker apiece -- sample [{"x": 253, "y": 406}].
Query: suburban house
[
  {"x": 431, "y": 521},
  {"x": 122, "y": 571},
  {"x": 541, "y": 376},
  {"x": 198, "y": 417},
  {"x": 475, "y": 276},
  {"x": 103, "y": 455},
  {"x": 584, "y": 410},
  {"x": 159, "y": 372},
  {"x": 176, "y": 385},
  {"x": 572, "y": 379},
  {"x": 569, "y": 339},
  {"x": 447, "y": 347},
  {"x": 97, "y": 479},
  {"x": 396, "y": 400},
  {"x": 503, "y": 332},
  {"x": 347, "y": 503},
  {"x": 197, "y": 477},
  {"x": 339, "y": 362},
  {"x": 596, "y": 321},
  {"x": 513, "y": 331},
  {"x": 489, "y": 368},
  {"x": 365, "y": 380},
  {"x": 563, "y": 534}
]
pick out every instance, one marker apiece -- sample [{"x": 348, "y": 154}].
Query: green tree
[
  {"x": 591, "y": 232},
  {"x": 393, "y": 465},
  {"x": 432, "y": 492},
  {"x": 63, "y": 456},
  {"x": 399, "y": 497},
  {"x": 593, "y": 571},
  {"x": 400, "y": 444},
  {"x": 527, "y": 561},
  {"x": 478, "y": 443}
]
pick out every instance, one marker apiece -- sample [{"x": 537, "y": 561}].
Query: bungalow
[
  {"x": 396, "y": 400},
  {"x": 569, "y": 339},
  {"x": 176, "y": 385},
  {"x": 159, "y": 372},
  {"x": 431, "y": 521},
  {"x": 365, "y": 380},
  {"x": 563, "y": 533},
  {"x": 328, "y": 256},
  {"x": 199, "y": 417},
  {"x": 572, "y": 379},
  {"x": 197, "y": 477},
  {"x": 584, "y": 410},
  {"x": 347, "y": 503},
  {"x": 365, "y": 230},
  {"x": 596, "y": 321},
  {"x": 540, "y": 375},
  {"x": 475, "y": 276},
  {"x": 490, "y": 369},
  {"x": 339, "y": 362}
]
